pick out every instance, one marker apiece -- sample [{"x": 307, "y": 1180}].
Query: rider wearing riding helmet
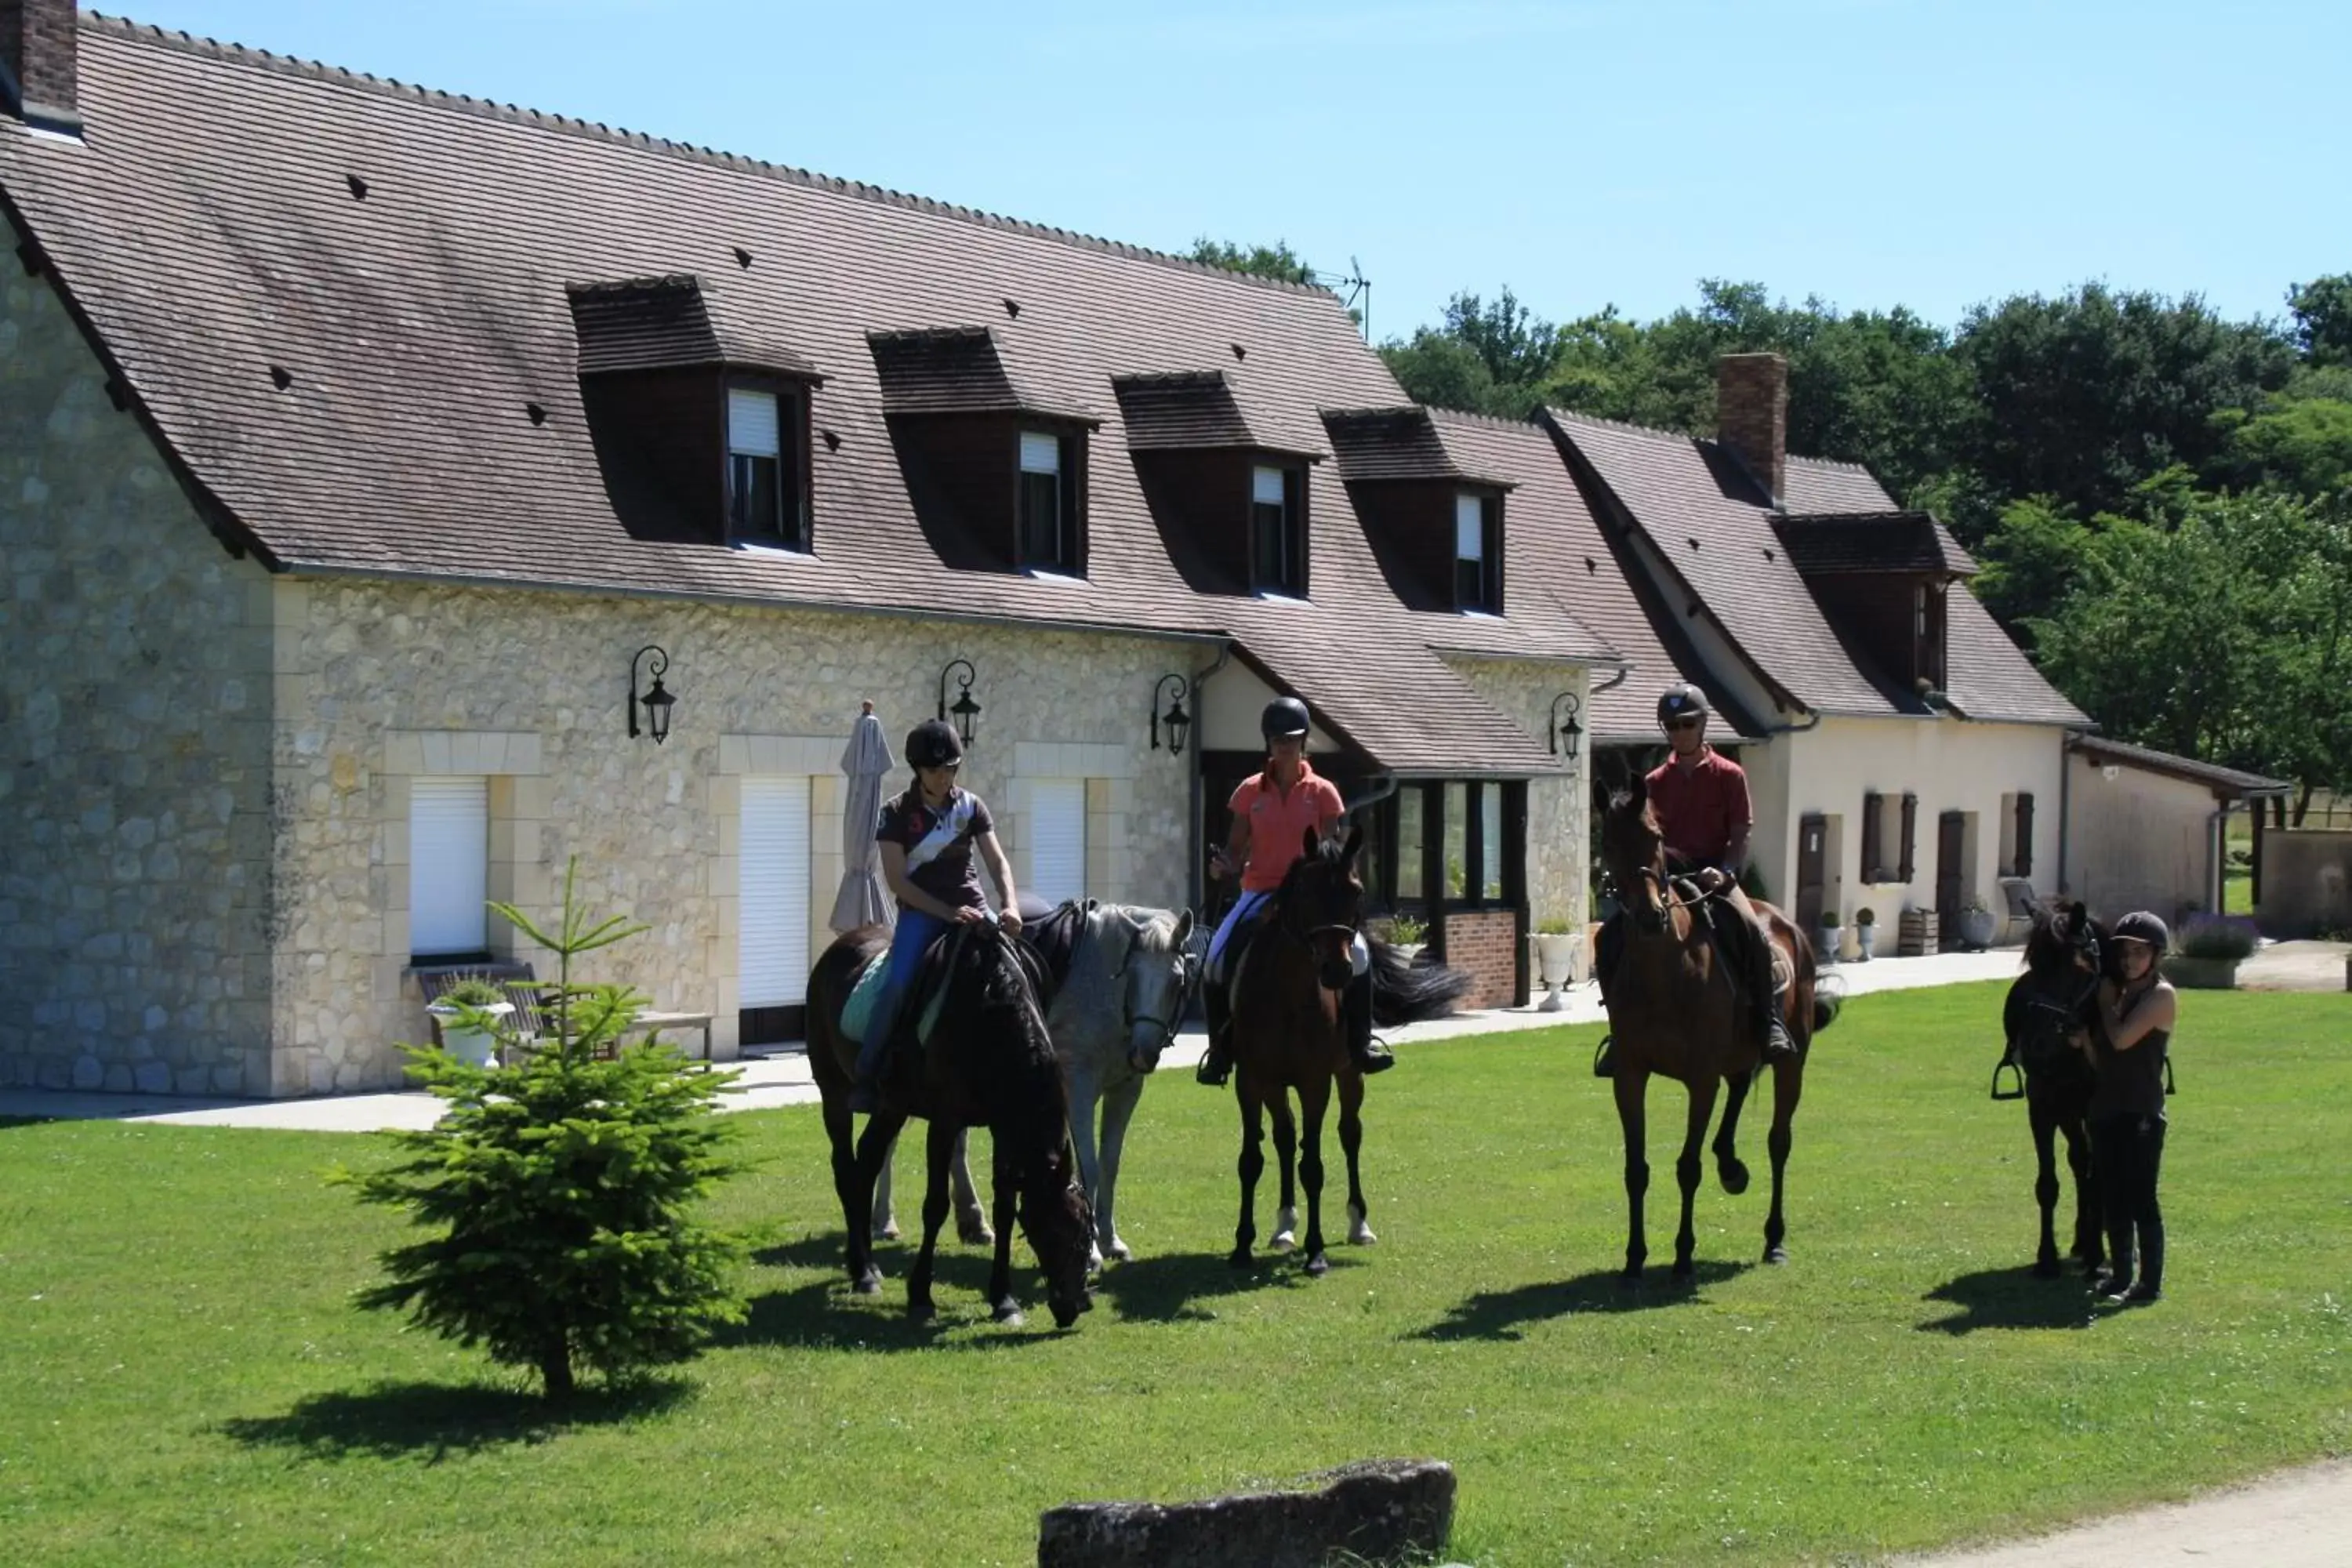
[
  {"x": 926, "y": 836},
  {"x": 1701, "y": 800},
  {"x": 2126, "y": 1109},
  {"x": 1272, "y": 811}
]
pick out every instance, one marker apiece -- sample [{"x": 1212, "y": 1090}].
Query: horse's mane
[
  {"x": 1157, "y": 928},
  {"x": 993, "y": 978},
  {"x": 1330, "y": 853}
]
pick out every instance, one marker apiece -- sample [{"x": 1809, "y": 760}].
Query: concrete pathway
[{"x": 2300, "y": 1519}]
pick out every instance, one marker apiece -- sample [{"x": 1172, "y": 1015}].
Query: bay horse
[
  {"x": 1289, "y": 1034},
  {"x": 1676, "y": 1011},
  {"x": 989, "y": 1064},
  {"x": 2065, "y": 954}
]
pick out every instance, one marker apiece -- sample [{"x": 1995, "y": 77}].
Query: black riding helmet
[
  {"x": 933, "y": 744},
  {"x": 1284, "y": 718},
  {"x": 2142, "y": 926},
  {"x": 1682, "y": 701}
]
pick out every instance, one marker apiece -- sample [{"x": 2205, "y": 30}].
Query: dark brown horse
[
  {"x": 990, "y": 1064},
  {"x": 2064, "y": 957},
  {"x": 1676, "y": 1011},
  {"x": 1288, "y": 1036}
]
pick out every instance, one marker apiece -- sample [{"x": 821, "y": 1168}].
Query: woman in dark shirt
[
  {"x": 929, "y": 837},
  {"x": 2127, "y": 1111}
]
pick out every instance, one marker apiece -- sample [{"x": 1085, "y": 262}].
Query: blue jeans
[{"x": 914, "y": 935}]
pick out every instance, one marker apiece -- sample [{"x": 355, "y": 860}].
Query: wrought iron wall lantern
[
  {"x": 1177, "y": 720},
  {"x": 657, "y": 701},
  {"x": 1566, "y": 732},
  {"x": 964, "y": 709}
]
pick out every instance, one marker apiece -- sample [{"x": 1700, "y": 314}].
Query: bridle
[{"x": 1188, "y": 979}]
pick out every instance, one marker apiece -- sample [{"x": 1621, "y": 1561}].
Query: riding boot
[
  {"x": 1217, "y": 1061},
  {"x": 873, "y": 1052},
  {"x": 1355, "y": 1011},
  {"x": 1774, "y": 1041}
]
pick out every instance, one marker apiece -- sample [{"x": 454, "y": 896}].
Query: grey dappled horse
[{"x": 1129, "y": 979}]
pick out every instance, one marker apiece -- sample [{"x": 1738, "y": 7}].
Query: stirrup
[
  {"x": 2016, "y": 1089},
  {"x": 1604, "y": 1064},
  {"x": 1376, "y": 1057},
  {"x": 1213, "y": 1069}
]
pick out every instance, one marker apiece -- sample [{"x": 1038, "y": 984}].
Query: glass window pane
[
  {"x": 1270, "y": 547},
  {"x": 1040, "y": 522},
  {"x": 1457, "y": 840},
  {"x": 1490, "y": 848},
  {"x": 1041, "y": 453},
  {"x": 752, "y": 497},
  {"x": 1410, "y": 801},
  {"x": 1470, "y": 584},
  {"x": 752, "y": 424},
  {"x": 1266, "y": 484},
  {"x": 1469, "y": 529}
]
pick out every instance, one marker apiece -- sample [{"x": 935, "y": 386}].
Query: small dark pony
[
  {"x": 1288, "y": 1036},
  {"x": 2065, "y": 956},
  {"x": 1676, "y": 1011},
  {"x": 990, "y": 1064}
]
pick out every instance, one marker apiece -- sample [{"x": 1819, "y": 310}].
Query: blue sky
[{"x": 1872, "y": 152}]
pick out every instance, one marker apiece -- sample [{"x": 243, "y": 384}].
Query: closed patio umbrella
[{"x": 861, "y": 900}]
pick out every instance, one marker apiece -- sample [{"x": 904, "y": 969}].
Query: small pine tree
[{"x": 563, "y": 1186}]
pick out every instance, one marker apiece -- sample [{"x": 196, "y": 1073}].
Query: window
[
  {"x": 1411, "y": 843},
  {"x": 1478, "y": 553},
  {"x": 1048, "y": 503},
  {"x": 1490, "y": 843},
  {"x": 764, "y": 500},
  {"x": 1056, "y": 831},
  {"x": 448, "y": 867},
  {"x": 1456, "y": 809},
  {"x": 1277, "y": 551}
]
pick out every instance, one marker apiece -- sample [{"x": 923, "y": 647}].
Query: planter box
[
  {"x": 1916, "y": 934},
  {"x": 2203, "y": 973}
]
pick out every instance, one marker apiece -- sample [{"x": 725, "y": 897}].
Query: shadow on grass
[
  {"x": 1503, "y": 1314},
  {"x": 2010, "y": 1299},
  {"x": 8, "y": 1121},
  {"x": 1166, "y": 1289},
  {"x": 436, "y": 1420},
  {"x": 824, "y": 1315}
]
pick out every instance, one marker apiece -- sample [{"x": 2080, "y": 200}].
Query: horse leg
[
  {"x": 1690, "y": 1169},
  {"x": 1729, "y": 1168},
  {"x": 2090, "y": 1237},
  {"x": 1286, "y": 1155},
  {"x": 873, "y": 1159},
  {"x": 1251, "y": 1165},
  {"x": 1083, "y": 1096},
  {"x": 1118, "y": 1109},
  {"x": 971, "y": 1221},
  {"x": 884, "y": 1222},
  {"x": 1006, "y": 1181},
  {"x": 940, "y": 1148},
  {"x": 1351, "y": 1143},
  {"x": 1314, "y": 1098},
  {"x": 1787, "y": 1087},
  {"x": 2045, "y": 1181},
  {"x": 845, "y": 1188},
  {"x": 1632, "y": 1083}
]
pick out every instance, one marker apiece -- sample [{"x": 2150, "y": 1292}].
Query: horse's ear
[
  {"x": 1637, "y": 795},
  {"x": 1310, "y": 843},
  {"x": 1352, "y": 843},
  {"x": 1184, "y": 930}
]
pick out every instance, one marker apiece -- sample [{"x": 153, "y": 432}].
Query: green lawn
[{"x": 185, "y": 1381}]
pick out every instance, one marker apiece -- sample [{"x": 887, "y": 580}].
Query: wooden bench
[{"x": 532, "y": 1018}]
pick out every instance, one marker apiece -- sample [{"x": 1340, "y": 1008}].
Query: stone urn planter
[
  {"x": 1555, "y": 954},
  {"x": 1827, "y": 942},
  {"x": 474, "y": 1047},
  {"x": 2201, "y": 973},
  {"x": 1865, "y": 936},
  {"x": 1977, "y": 927}
]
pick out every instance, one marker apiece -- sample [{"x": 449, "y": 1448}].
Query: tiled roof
[
  {"x": 958, "y": 370},
  {"x": 1191, "y": 410},
  {"x": 1987, "y": 676},
  {"x": 401, "y": 260},
  {"x": 1403, "y": 442},
  {"x": 2225, "y": 781},
  {"x": 1818, "y": 485},
  {"x": 661, "y": 323},
  {"x": 1874, "y": 542}
]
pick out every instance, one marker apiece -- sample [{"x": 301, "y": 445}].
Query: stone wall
[
  {"x": 1558, "y": 823},
  {"x": 380, "y": 683},
  {"x": 134, "y": 746}
]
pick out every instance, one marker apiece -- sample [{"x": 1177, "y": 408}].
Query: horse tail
[
  {"x": 1827, "y": 1006},
  {"x": 1407, "y": 992}
]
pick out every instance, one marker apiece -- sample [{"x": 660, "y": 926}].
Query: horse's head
[
  {"x": 1060, "y": 1226},
  {"x": 1322, "y": 902},
  {"x": 2064, "y": 950},
  {"x": 1154, "y": 971},
  {"x": 1633, "y": 856}
]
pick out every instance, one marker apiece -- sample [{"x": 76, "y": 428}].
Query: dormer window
[
  {"x": 1048, "y": 506},
  {"x": 1479, "y": 553},
  {"x": 1277, "y": 543},
  {"x": 764, "y": 490}
]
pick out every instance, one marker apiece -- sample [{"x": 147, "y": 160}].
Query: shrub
[
  {"x": 1404, "y": 931},
  {"x": 1555, "y": 926},
  {"x": 1865, "y": 917},
  {"x": 562, "y": 1188},
  {"x": 472, "y": 991},
  {"x": 2217, "y": 936}
]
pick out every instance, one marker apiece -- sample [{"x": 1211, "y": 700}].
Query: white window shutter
[
  {"x": 1057, "y": 839},
  {"x": 448, "y": 865},
  {"x": 1041, "y": 453},
  {"x": 1469, "y": 529},
  {"x": 772, "y": 904},
  {"x": 752, "y": 423},
  {"x": 1266, "y": 487}
]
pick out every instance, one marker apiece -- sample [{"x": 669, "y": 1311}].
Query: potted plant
[
  {"x": 1407, "y": 935},
  {"x": 2207, "y": 952},
  {"x": 1977, "y": 924},
  {"x": 469, "y": 1012},
  {"x": 1865, "y": 931},
  {"x": 1555, "y": 950},
  {"x": 1830, "y": 935}
]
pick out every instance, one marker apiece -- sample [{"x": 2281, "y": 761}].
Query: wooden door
[
  {"x": 1813, "y": 868},
  {"x": 1952, "y": 876}
]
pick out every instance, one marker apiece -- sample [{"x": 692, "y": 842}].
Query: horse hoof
[
  {"x": 1094, "y": 1260},
  {"x": 868, "y": 1283},
  {"x": 920, "y": 1312},
  {"x": 975, "y": 1235},
  {"x": 2046, "y": 1268},
  {"x": 1360, "y": 1234},
  {"x": 1284, "y": 1241},
  {"x": 887, "y": 1231},
  {"x": 1776, "y": 1255},
  {"x": 1008, "y": 1311},
  {"x": 1684, "y": 1271},
  {"x": 1239, "y": 1258},
  {"x": 1734, "y": 1175},
  {"x": 1117, "y": 1250},
  {"x": 1319, "y": 1265},
  {"x": 1630, "y": 1276}
]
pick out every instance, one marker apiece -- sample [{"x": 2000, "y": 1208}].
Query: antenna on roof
[{"x": 1355, "y": 292}]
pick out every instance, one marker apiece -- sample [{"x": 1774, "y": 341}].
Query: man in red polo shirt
[{"x": 1701, "y": 799}]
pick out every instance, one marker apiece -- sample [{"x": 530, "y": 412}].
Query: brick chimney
[
  {"x": 1751, "y": 415},
  {"x": 38, "y": 79}
]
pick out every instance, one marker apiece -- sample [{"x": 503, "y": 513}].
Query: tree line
[{"x": 2160, "y": 497}]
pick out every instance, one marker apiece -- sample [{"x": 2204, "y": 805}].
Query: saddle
[{"x": 925, "y": 994}]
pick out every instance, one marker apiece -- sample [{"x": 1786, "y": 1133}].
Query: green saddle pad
[{"x": 858, "y": 1011}]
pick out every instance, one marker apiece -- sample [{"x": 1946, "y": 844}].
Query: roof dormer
[
  {"x": 1882, "y": 580},
  {"x": 1226, "y": 478},
  {"x": 1433, "y": 513}
]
